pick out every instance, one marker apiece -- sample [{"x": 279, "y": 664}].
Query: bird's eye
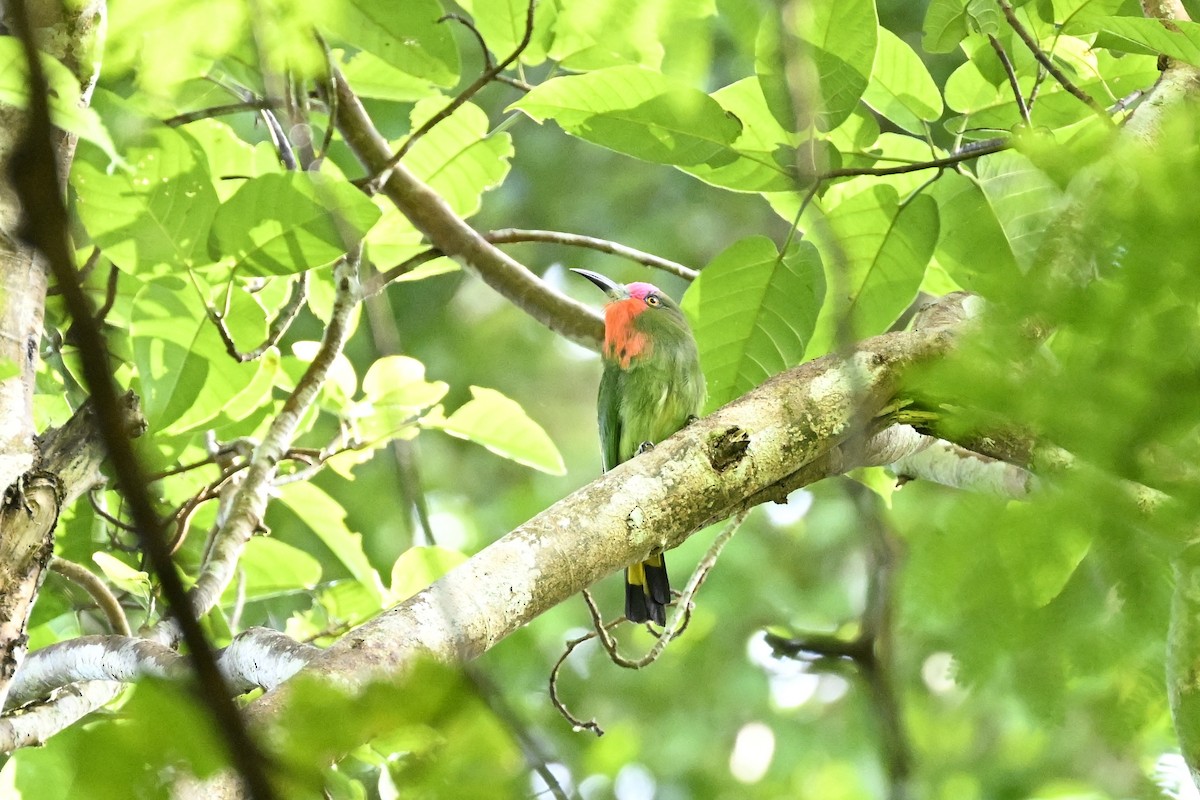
[{"x": 653, "y": 301}]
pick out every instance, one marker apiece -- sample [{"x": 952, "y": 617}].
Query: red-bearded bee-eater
[{"x": 651, "y": 387}]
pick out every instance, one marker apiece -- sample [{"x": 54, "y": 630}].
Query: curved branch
[
  {"x": 652, "y": 502},
  {"x": 513, "y": 235},
  {"x": 91, "y": 658},
  {"x": 450, "y": 234},
  {"x": 91, "y": 583},
  {"x": 257, "y": 658}
]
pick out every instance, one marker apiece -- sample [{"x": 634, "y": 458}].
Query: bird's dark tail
[{"x": 647, "y": 591}]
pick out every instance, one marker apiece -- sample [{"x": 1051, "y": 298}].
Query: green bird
[{"x": 651, "y": 387}]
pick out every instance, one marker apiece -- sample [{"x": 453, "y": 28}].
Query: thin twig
[
  {"x": 110, "y": 294},
  {"x": 87, "y": 580},
  {"x": 576, "y": 723},
  {"x": 514, "y": 235},
  {"x": 283, "y": 146},
  {"x": 516, "y": 83},
  {"x": 34, "y": 169},
  {"x": 107, "y": 517},
  {"x": 256, "y": 104},
  {"x": 377, "y": 283},
  {"x": 1012, "y": 77},
  {"x": 966, "y": 153},
  {"x": 1048, "y": 63},
  {"x": 249, "y": 504},
  {"x": 279, "y": 325},
  {"x": 462, "y": 97},
  {"x": 677, "y": 625}
]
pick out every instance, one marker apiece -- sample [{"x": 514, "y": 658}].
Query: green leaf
[
  {"x": 882, "y": 249},
  {"x": 417, "y": 567},
  {"x": 371, "y": 76},
  {"x": 753, "y": 313},
  {"x": 502, "y": 25},
  {"x": 969, "y": 227},
  {"x": 945, "y": 26},
  {"x": 395, "y": 393},
  {"x": 124, "y": 577},
  {"x": 840, "y": 37},
  {"x": 459, "y": 159},
  {"x": 1066, "y": 11},
  {"x": 637, "y": 112},
  {"x": 901, "y": 89},
  {"x": 272, "y": 568},
  {"x": 596, "y": 34},
  {"x": 63, "y": 93},
  {"x": 1141, "y": 34},
  {"x": 411, "y": 39},
  {"x": 762, "y": 157},
  {"x": 185, "y": 43},
  {"x": 187, "y": 377},
  {"x": 325, "y": 517},
  {"x": 501, "y": 425},
  {"x": 286, "y": 223},
  {"x": 156, "y": 214},
  {"x": 1022, "y": 199}
]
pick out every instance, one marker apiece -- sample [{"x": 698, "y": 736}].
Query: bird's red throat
[{"x": 622, "y": 340}]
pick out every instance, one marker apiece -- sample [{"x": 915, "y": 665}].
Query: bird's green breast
[{"x": 650, "y": 399}]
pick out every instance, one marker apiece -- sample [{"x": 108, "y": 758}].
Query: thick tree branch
[
  {"x": 450, "y": 234},
  {"x": 256, "y": 658},
  {"x": 653, "y": 501}
]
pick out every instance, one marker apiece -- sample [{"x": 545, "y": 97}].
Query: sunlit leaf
[
  {"x": 637, "y": 112},
  {"x": 459, "y": 159},
  {"x": 63, "y": 95},
  {"x": 1022, "y": 199},
  {"x": 502, "y": 24},
  {"x": 413, "y": 41},
  {"x": 326, "y": 518},
  {"x": 270, "y": 568},
  {"x": 969, "y": 227},
  {"x": 875, "y": 250},
  {"x": 753, "y": 311},
  {"x": 1138, "y": 35},
  {"x": 284, "y": 223},
  {"x": 840, "y": 36},
  {"x": 417, "y": 567},
  {"x": 502, "y": 426},
  {"x": 154, "y": 216},
  {"x": 123, "y": 576},
  {"x": 187, "y": 377},
  {"x": 762, "y": 157},
  {"x": 901, "y": 89}
]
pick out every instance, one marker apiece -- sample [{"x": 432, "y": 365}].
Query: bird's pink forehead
[{"x": 640, "y": 290}]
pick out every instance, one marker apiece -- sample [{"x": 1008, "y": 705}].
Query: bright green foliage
[
  {"x": 14, "y": 90},
  {"x": 500, "y": 425},
  {"x": 302, "y": 221},
  {"x": 882, "y": 246},
  {"x": 638, "y": 112},
  {"x": 1028, "y": 638},
  {"x": 753, "y": 311}
]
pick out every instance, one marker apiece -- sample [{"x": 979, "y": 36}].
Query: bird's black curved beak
[{"x": 614, "y": 290}]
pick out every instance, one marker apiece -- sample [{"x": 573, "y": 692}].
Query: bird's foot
[
  {"x": 645, "y": 447},
  {"x": 691, "y": 418}
]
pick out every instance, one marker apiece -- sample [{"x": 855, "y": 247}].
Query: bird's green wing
[{"x": 608, "y": 410}]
